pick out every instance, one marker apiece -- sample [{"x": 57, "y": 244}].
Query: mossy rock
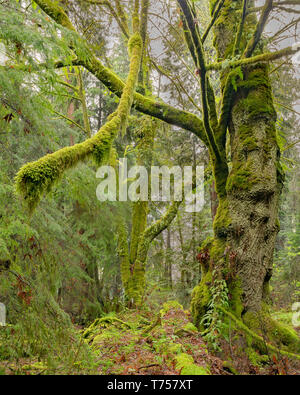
[
  {"x": 190, "y": 327},
  {"x": 171, "y": 305},
  {"x": 185, "y": 363}
]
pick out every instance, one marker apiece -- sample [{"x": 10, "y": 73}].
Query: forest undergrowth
[{"x": 143, "y": 342}]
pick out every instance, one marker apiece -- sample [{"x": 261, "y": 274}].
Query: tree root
[
  {"x": 111, "y": 320},
  {"x": 255, "y": 336}
]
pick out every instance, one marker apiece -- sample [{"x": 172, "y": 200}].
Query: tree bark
[{"x": 246, "y": 222}]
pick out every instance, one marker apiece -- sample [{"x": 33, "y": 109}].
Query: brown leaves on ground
[{"x": 131, "y": 352}]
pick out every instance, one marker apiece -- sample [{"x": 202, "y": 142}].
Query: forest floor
[
  {"x": 137, "y": 342},
  {"x": 169, "y": 344}
]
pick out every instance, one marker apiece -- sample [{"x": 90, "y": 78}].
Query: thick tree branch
[{"x": 155, "y": 229}]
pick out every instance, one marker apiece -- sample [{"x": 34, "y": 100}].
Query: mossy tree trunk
[{"x": 246, "y": 222}]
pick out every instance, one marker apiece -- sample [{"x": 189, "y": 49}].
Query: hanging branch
[
  {"x": 121, "y": 14},
  {"x": 38, "y": 177}
]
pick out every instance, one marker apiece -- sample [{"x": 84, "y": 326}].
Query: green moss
[
  {"x": 276, "y": 332},
  {"x": 206, "y": 244},
  {"x": 107, "y": 335},
  {"x": 221, "y": 223},
  {"x": 175, "y": 348},
  {"x": 258, "y": 91},
  {"x": 185, "y": 363},
  {"x": 200, "y": 299},
  {"x": 170, "y": 305},
  {"x": 190, "y": 327},
  {"x": 194, "y": 370},
  {"x": 123, "y": 253},
  {"x": 255, "y": 358},
  {"x": 235, "y": 297},
  {"x": 38, "y": 177},
  {"x": 242, "y": 177},
  {"x": 35, "y": 366},
  {"x": 56, "y": 12},
  {"x": 227, "y": 365},
  {"x": 135, "y": 42}
]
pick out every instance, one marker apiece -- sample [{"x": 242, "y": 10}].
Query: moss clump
[
  {"x": 175, "y": 348},
  {"x": 235, "y": 297},
  {"x": 255, "y": 358},
  {"x": 276, "y": 332},
  {"x": 190, "y": 327},
  {"x": 256, "y": 87},
  {"x": 222, "y": 220},
  {"x": 171, "y": 305},
  {"x": 134, "y": 42},
  {"x": 200, "y": 299},
  {"x": 206, "y": 244},
  {"x": 185, "y": 363},
  {"x": 242, "y": 177}
]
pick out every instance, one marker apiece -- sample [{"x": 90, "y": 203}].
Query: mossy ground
[{"x": 165, "y": 342}]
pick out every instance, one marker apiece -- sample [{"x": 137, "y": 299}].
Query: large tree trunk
[{"x": 246, "y": 223}]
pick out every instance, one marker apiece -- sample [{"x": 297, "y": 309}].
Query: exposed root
[{"x": 240, "y": 325}]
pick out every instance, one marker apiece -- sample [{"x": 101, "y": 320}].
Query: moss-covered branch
[
  {"x": 147, "y": 106},
  {"x": 38, "y": 177},
  {"x": 239, "y": 33},
  {"x": 137, "y": 281},
  {"x": 123, "y": 252},
  {"x": 155, "y": 229},
  {"x": 266, "y": 57}
]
